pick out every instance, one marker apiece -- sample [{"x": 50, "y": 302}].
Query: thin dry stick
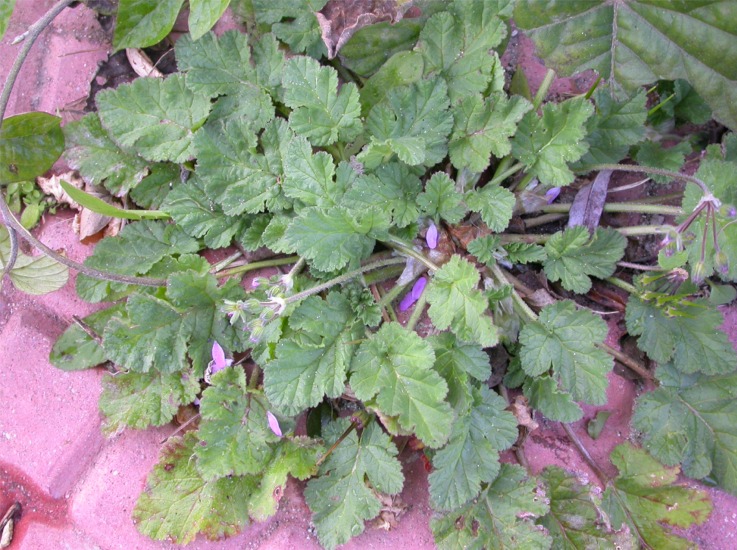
[{"x": 585, "y": 454}]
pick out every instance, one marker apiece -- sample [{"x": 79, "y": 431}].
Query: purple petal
[
  {"x": 431, "y": 237},
  {"x": 218, "y": 357},
  {"x": 413, "y": 295},
  {"x": 552, "y": 194},
  {"x": 273, "y": 423}
]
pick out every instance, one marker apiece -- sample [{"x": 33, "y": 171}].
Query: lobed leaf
[
  {"x": 644, "y": 497},
  {"x": 564, "y": 339},
  {"x": 546, "y": 145},
  {"x": 573, "y": 256},
  {"x": 155, "y": 117},
  {"x": 691, "y": 419},
  {"x": 441, "y": 200},
  {"x": 495, "y": 204},
  {"x": 456, "y": 303},
  {"x": 471, "y": 456},
  {"x": 394, "y": 367},
  {"x": 502, "y": 517},
  {"x": 340, "y": 498}
]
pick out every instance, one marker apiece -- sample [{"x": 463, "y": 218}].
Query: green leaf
[
  {"x": 178, "y": 503},
  {"x": 471, "y": 457},
  {"x": 340, "y": 498},
  {"x": 575, "y": 519},
  {"x": 502, "y": 517},
  {"x": 296, "y": 456},
  {"x": 156, "y": 117},
  {"x": 269, "y": 60},
  {"x": 165, "y": 334},
  {"x": 394, "y": 367},
  {"x": 99, "y": 206},
  {"x": 142, "y": 23},
  {"x": 653, "y": 154},
  {"x": 485, "y": 248},
  {"x": 546, "y": 145},
  {"x": 690, "y": 336},
  {"x": 482, "y": 127},
  {"x": 32, "y": 274},
  {"x": 234, "y": 433},
  {"x": 625, "y": 44},
  {"x": 564, "y": 339},
  {"x": 198, "y": 216},
  {"x": 456, "y": 303},
  {"x": 140, "y": 400},
  {"x": 203, "y": 14},
  {"x": 237, "y": 177},
  {"x": 6, "y": 10},
  {"x": 138, "y": 247},
  {"x": 457, "y": 363},
  {"x": 301, "y": 30},
  {"x": 400, "y": 69},
  {"x": 154, "y": 188},
  {"x": 692, "y": 420},
  {"x": 29, "y": 145},
  {"x": 332, "y": 238},
  {"x": 77, "y": 350},
  {"x": 546, "y": 396},
  {"x": 616, "y": 126},
  {"x": 90, "y": 150},
  {"x": 320, "y": 112},
  {"x": 412, "y": 122},
  {"x": 441, "y": 200},
  {"x": 215, "y": 65},
  {"x": 309, "y": 176},
  {"x": 574, "y": 256},
  {"x": 495, "y": 204},
  {"x": 393, "y": 187},
  {"x": 458, "y": 45},
  {"x": 312, "y": 362},
  {"x": 644, "y": 498},
  {"x": 523, "y": 253}
]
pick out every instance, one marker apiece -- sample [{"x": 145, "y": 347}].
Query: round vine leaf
[{"x": 29, "y": 146}]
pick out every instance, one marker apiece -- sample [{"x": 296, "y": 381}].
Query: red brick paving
[{"x": 77, "y": 488}]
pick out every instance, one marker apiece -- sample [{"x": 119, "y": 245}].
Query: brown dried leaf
[
  {"x": 521, "y": 410},
  {"x": 340, "y": 19},
  {"x": 141, "y": 63},
  {"x": 589, "y": 202},
  {"x": 51, "y": 186}
]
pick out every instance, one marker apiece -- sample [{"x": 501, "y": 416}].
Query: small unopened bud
[
  {"x": 721, "y": 262},
  {"x": 728, "y": 211},
  {"x": 698, "y": 273}
]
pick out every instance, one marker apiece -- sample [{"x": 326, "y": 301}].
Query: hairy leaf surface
[
  {"x": 394, "y": 367},
  {"x": 340, "y": 498}
]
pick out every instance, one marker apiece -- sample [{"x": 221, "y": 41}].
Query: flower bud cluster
[{"x": 256, "y": 313}]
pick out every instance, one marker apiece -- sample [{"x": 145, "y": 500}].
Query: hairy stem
[
  {"x": 406, "y": 249},
  {"x": 542, "y": 91},
  {"x": 245, "y": 268},
  {"x": 585, "y": 454},
  {"x": 621, "y": 207},
  {"x": 650, "y": 170},
  {"x": 417, "y": 312}
]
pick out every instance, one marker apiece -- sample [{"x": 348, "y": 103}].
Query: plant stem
[
  {"x": 343, "y": 278},
  {"x": 639, "y": 267},
  {"x": 542, "y": 220},
  {"x": 500, "y": 176},
  {"x": 621, "y": 207},
  {"x": 542, "y": 91},
  {"x": 390, "y": 296},
  {"x": 585, "y": 454},
  {"x": 405, "y": 248},
  {"x": 417, "y": 312},
  {"x": 360, "y": 417},
  {"x": 222, "y": 264},
  {"x": 650, "y": 170},
  {"x": 245, "y": 268},
  {"x": 628, "y": 362},
  {"x": 637, "y": 230},
  {"x": 619, "y": 283},
  {"x": 504, "y": 278}
]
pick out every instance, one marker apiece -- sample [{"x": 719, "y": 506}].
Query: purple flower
[
  {"x": 431, "y": 237},
  {"x": 413, "y": 295},
  {"x": 552, "y": 194},
  {"x": 219, "y": 362},
  {"x": 273, "y": 423}
]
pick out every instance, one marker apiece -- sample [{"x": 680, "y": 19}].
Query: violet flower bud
[
  {"x": 219, "y": 362},
  {"x": 552, "y": 194},
  {"x": 413, "y": 295},
  {"x": 273, "y": 423},
  {"x": 431, "y": 237}
]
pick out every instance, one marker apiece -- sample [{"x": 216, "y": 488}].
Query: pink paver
[{"x": 50, "y": 442}]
